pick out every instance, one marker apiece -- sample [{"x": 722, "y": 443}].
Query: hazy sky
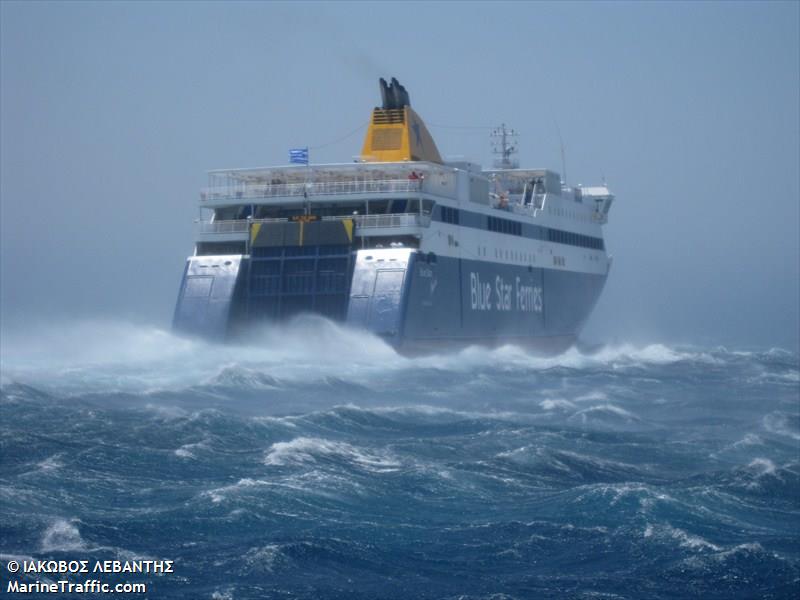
[{"x": 111, "y": 114}]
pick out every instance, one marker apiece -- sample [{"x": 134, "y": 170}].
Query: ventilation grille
[
  {"x": 393, "y": 116},
  {"x": 387, "y": 139}
]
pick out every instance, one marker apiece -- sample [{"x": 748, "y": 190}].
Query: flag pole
[{"x": 306, "y": 186}]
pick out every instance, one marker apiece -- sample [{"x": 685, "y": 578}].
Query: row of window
[
  {"x": 449, "y": 215},
  {"x": 574, "y": 239},
  {"x": 505, "y": 226},
  {"x": 455, "y": 216}
]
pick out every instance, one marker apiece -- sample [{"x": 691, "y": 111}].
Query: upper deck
[
  {"x": 288, "y": 184},
  {"x": 359, "y": 189},
  {"x": 401, "y": 183}
]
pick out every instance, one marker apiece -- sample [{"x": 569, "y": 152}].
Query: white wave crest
[
  {"x": 308, "y": 450},
  {"x": 593, "y": 396},
  {"x": 50, "y": 464},
  {"x": 219, "y": 494},
  {"x": 778, "y": 423},
  {"x": 556, "y": 403},
  {"x": 644, "y": 495},
  {"x": 188, "y": 450},
  {"x": 264, "y": 558},
  {"x": 762, "y": 466},
  {"x": 604, "y": 413},
  {"x": 684, "y": 539},
  {"x": 87, "y": 356},
  {"x": 62, "y": 536}
]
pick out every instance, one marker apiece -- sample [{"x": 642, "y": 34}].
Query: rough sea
[{"x": 320, "y": 464}]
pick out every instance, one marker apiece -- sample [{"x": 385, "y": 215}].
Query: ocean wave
[
  {"x": 783, "y": 424},
  {"x": 219, "y": 494},
  {"x": 263, "y": 559},
  {"x": 111, "y": 356},
  {"x": 188, "y": 450},
  {"x": 683, "y": 538},
  {"x": 62, "y": 536},
  {"x": 762, "y": 466},
  {"x": 718, "y": 564},
  {"x": 556, "y": 404},
  {"x": 763, "y": 476},
  {"x": 605, "y": 415},
  {"x": 743, "y": 445},
  {"x": 303, "y": 450},
  {"x": 50, "y": 464},
  {"x": 567, "y": 465},
  {"x": 643, "y": 498},
  {"x": 410, "y": 417},
  {"x": 239, "y": 376}
]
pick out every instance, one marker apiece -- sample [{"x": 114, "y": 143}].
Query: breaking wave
[{"x": 336, "y": 468}]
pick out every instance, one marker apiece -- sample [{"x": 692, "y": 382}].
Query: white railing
[
  {"x": 399, "y": 220},
  {"x": 224, "y": 227},
  {"x": 274, "y": 190},
  {"x": 361, "y": 221}
]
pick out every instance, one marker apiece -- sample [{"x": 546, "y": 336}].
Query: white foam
[
  {"x": 62, "y": 536},
  {"x": 750, "y": 439},
  {"x": 762, "y": 466},
  {"x": 746, "y": 548},
  {"x": 778, "y": 423},
  {"x": 688, "y": 540},
  {"x": 120, "y": 356},
  {"x": 75, "y": 357},
  {"x": 307, "y": 450},
  {"x": 437, "y": 411},
  {"x": 516, "y": 453},
  {"x": 556, "y": 403},
  {"x": 263, "y": 558},
  {"x": 593, "y": 396},
  {"x": 51, "y": 463},
  {"x": 218, "y": 495},
  {"x": 603, "y": 412},
  {"x": 684, "y": 538},
  {"x": 187, "y": 450},
  {"x": 646, "y": 496}
]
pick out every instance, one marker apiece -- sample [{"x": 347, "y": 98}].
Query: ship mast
[{"x": 504, "y": 147}]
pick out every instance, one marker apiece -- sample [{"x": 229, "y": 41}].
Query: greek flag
[{"x": 298, "y": 156}]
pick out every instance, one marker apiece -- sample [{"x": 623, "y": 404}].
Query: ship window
[
  {"x": 450, "y": 215},
  {"x": 220, "y": 248},
  {"x": 378, "y": 207},
  {"x": 229, "y": 213},
  {"x": 398, "y": 206}
]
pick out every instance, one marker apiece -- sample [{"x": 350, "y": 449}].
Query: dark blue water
[{"x": 323, "y": 465}]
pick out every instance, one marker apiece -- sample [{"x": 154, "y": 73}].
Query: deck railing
[
  {"x": 398, "y": 220},
  {"x": 224, "y": 226},
  {"x": 361, "y": 221},
  {"x": 280, "y": 190}
]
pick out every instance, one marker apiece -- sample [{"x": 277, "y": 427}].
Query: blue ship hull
[{"x": 417, "y": 302}]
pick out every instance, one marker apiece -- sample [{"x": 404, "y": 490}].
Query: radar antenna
[{"x": 504, "y": 147}]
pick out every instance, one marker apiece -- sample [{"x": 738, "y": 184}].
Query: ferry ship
[{"x": 423, "y": 252}]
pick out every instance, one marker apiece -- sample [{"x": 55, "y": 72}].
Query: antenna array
[{"x": 504, "y": 147}]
